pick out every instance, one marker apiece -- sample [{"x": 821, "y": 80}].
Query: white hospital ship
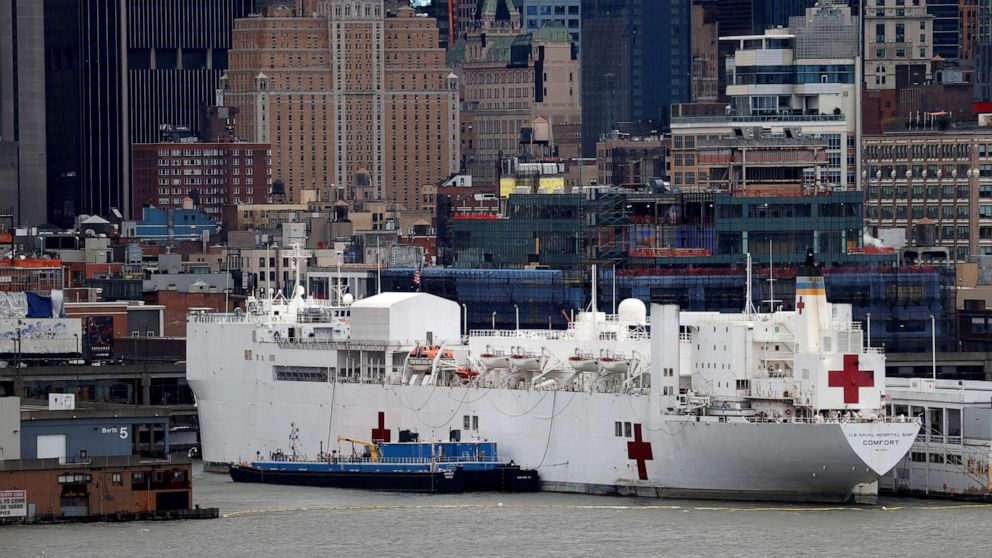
[{"x": 784, "y": 405}]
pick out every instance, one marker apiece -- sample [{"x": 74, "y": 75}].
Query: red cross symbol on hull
[
  {"x": 800, "y": 305},
  {"x": 851, "y": 379},
  {"x": 640, "y": 451},
  {"x": 381, "y": 434}
]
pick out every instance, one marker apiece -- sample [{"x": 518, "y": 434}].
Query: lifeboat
[
  {"x": 466, "y": 373},
  {"x": 494, "y": 361},
  {"x": 525, "y": 362},
  {"x": 422, "y": 357},
  {"x": 615, "y": 364},
  {"x": 583, "y": 363}
]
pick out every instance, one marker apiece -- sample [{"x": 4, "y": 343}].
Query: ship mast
[{"x": 748, "y": 303}]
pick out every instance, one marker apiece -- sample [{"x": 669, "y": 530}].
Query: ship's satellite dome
[
  {"x": 347, "y": 299},
  {"x": 632, "y": 311}
]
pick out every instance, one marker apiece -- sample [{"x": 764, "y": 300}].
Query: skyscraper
[
  {"x": 636, "y": 61},
  {"x": 357, "y": 104},
  {"x": 983, "y": 54},
  {"x": 22, "y": 106},
  {"x": 98, "y": 75},
  {"x": 564, "y": 13},
  {"x": 946, "y": 27}
]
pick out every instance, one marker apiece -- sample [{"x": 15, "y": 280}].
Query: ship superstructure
[{"x": 781, "y": 405}]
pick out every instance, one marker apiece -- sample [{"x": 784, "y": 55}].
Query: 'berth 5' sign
[{"x": 120, "y": 431}]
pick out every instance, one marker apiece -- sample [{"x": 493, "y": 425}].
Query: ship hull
[
  {"x": 499, "y": 479},
  {"x": 576, "y": 451},
  {"x": 578, "y": 441}
]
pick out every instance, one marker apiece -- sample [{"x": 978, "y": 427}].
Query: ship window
[
  {"x": 627, "y": 430},
  {"x": 467, "y": 422},
  {"x": 475, "y": 422},
  {"x": 618, "y": 429},
  {"x": 300, "y": 373},
  {"x": 918, "y": 456},
  {"x": 936, "y": 458},
  {"x": 953, "y": 459}
]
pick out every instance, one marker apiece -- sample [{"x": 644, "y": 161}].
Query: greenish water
[{"x": 261, "y": 520}]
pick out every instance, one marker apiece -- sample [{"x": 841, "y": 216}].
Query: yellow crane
[{"x": 373, "y": 447}]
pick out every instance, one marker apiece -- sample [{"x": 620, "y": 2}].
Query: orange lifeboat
[
  {"x": 421, "y": 358},
  {"x": 466, "y": 373}
]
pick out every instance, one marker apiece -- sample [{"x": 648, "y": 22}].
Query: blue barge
[{"x": 430, "y": 467}]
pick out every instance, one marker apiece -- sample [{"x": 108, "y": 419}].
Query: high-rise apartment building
[
  {"x": 636, "y": 62},
  {"x": 898, "y": 41},
  {"x": 798, "y": 83},
  {"x": 510, "y": 78},
  {"x": 358, "y": 104}
]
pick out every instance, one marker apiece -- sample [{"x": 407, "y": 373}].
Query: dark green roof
[{"x": 553, "y": 32}]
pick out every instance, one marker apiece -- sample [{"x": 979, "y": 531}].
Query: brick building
[
  {"x": 357, "y": 103},
  {"x": 213, "y": 174},
  {"x": 510, "y": 78},
  {"x": 943, "y": 179}
]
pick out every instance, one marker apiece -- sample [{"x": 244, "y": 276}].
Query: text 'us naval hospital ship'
[{"x": 784, "y": 405}]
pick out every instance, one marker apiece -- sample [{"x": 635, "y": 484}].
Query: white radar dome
[
  {"x": 347, "y": 299},
  {"x": 633, "y": 312}
]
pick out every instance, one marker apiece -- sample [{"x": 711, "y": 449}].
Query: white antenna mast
[
  {"x": 748, "y": 304},
  {"x": 771, "y": 279}
]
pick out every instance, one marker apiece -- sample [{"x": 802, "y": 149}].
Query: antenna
[
  {"x": 593, "y": 302},
  {"x": 771, "y": 279},
  {"x": 748, "y": 304}
]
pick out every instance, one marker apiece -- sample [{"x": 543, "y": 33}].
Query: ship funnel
[{"x": 811, "y": 302}]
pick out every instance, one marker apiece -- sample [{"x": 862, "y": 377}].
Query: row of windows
[
  {"x": 921, "y": 457},
  {"x": 921, "y": 151},
  {"x": 206, "y": 152}
]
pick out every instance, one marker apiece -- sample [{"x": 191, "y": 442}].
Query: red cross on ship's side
[
  {"x": 640, "y": 451},
  {"x": 381, "y": 434},
  {"x": 851, "y": 379}
]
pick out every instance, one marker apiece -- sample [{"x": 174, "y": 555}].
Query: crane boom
[{"x": 373, "y": 447}]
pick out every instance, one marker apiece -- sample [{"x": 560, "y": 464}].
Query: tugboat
[{"x": 413, "y": 466}]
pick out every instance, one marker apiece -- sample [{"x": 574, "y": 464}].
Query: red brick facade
[{"x": 219, "y": 173}]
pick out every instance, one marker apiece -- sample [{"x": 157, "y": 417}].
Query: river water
[{"x": 282, "y": 522}]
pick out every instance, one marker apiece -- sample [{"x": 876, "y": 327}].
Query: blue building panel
[
  {"x": 160, "y": 224},
  {"x": 92, "y": 437}
]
